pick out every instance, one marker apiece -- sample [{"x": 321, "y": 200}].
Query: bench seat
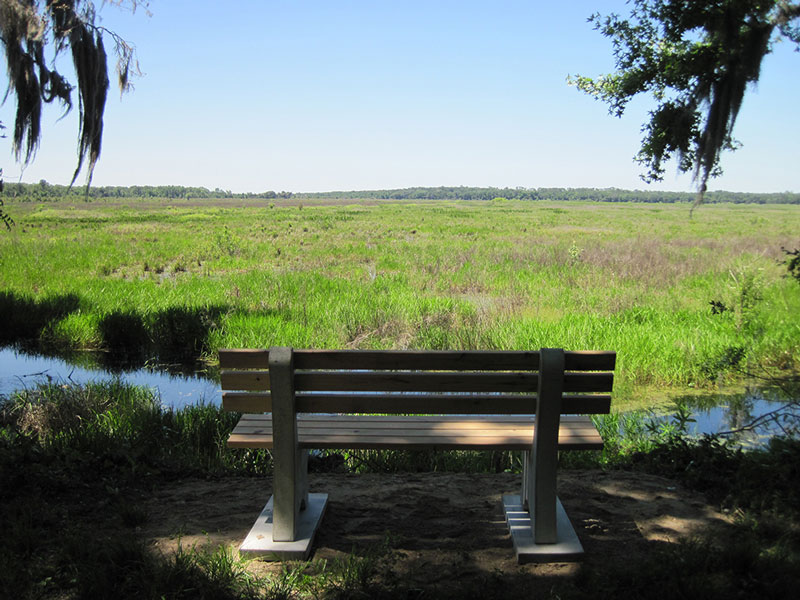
[{"x": 430, "y": 432}]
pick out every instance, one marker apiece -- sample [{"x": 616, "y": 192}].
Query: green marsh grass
[
  {"x": 177, "y": 282},
  {"x": 114, "y": 424}
]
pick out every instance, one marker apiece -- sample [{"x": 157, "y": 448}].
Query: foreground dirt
[{"x": 442, "y": 530}]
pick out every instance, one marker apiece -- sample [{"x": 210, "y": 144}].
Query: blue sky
[{"x": 349, "y": 95}]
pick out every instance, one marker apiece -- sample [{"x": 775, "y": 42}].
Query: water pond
[
  {"x": 176, "y": 387},
  {"x": 722, "y": 411}
]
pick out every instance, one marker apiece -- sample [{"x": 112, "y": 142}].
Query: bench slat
[
  {"x": 378, "y": 430},
  {"x": 247, "y": 402},
  {"x": 244, "y": 380},
  {"x": 499, "y": 360},
  {"x": 316, "y": 420},
  {"x": 257, "y": 402},
  {"x": 244, "y": 358},
  {"x": 359, "y": 442},
  {"x": 414, "y": 381},
  {"x": 366, "y": 422},
  {"x": 426, "y": 360},
  {"x": 341, "y": 432},
  {"x": 330, "y": 381}
]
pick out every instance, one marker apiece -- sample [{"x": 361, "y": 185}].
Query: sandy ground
[{"x": 440, "y": 527}]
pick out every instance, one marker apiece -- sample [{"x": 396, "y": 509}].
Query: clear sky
[{"x": 325, "y": 95}]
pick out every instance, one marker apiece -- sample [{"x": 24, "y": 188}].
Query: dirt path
[{"x": 440, "y": 528}]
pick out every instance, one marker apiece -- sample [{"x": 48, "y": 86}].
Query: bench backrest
[{"x": 416, "y": 382}]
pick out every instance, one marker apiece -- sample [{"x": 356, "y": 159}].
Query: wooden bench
[{"x": 296, "y": 400}]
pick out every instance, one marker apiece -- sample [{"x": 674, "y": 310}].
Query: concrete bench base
[
  {"x": 259, "y": 541},
  {"x": 568, "y": 548}
]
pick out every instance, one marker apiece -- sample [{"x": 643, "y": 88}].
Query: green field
[{"x": 174, "y": 281}]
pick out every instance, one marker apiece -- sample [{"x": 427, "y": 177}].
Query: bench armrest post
[
  {"x": 544, "y": 455},
  {"x": 285, "y": 448}
]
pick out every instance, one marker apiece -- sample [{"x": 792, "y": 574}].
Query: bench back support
[
  {"x": 542, "y": 476},
  {"x": 416, "y": 382},
  {"x": 289, "y": 460}
]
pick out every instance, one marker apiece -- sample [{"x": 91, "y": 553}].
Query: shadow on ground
[{"x": 444, "y": 535}]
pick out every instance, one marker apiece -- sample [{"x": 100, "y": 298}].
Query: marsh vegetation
[{"x": 683, "y": 301}]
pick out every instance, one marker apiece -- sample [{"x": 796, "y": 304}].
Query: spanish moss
[
  {"x": 30, "y": 30},
  {"x": 697, "y": 59}
]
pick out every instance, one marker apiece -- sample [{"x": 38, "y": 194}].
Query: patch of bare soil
[{"x": 444, "y": 530}]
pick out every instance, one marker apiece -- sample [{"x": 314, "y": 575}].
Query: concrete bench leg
[
  {"x": 304, "y": 521},
  {"x": 540, "y": 529},
  {"x": 286, "y": 527}
]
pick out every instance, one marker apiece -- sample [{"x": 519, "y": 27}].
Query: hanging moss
[{"x": 29, "y": 33}]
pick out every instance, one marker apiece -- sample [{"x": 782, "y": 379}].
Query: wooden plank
[
  {"x": 444, "y": 360},
  {"x": 340, "y": 431},
  {"x": 586, "y": 405},
  {"x": 422, "y": 431},
  {"x": 500, "y": 360},
  {"x": 258, "y": 402},
  {"x": 433, "y": 420},
  {"x": 590, "y": 360},
  {"x": 244, "y": 380},
  {"x": 244, "y": 359},
  {"x": 418, "y": 402},
  {"x": 411, "y": 421},
  {"x": 428, "y": 360},
  {"x": 394, "y": 442},
  {"x": 442, "y": 442},
  {"x": 342, "y": 442},
  {"x": 259, "y": 421},
  {"x": 430, "y": 418},
  {"x": 430, "y": 439},
  {"x": 356, "y": 438},
  {"x": 443, "y": 404},
  {"x": 247, "y": 402},
  {"x": 413, "y": 381},
  {"x": 410, "y": 425},
  {"x": 588, "y": 382}
]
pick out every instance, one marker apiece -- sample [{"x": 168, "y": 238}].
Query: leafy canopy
[{"x": 696, "y": 58}]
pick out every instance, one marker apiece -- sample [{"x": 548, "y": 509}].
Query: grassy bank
[
  {"x": 73, "y": 461},
  {"x": 178, "y": 282}
]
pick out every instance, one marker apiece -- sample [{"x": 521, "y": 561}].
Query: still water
[
  {"x": 19, "y": 370},
  {"x": 713, "y": 412},
  {"x": 728, "y": 410}
]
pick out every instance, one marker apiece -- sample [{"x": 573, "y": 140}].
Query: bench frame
[{"x": 539, "y": 526}]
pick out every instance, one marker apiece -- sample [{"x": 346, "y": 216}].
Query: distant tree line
[
  {"x": 558, "y": 194},
  {"x": 44, "y": 191}
]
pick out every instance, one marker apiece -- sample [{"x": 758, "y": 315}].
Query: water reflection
[
  {"x": 177, "y": 385},
  {"x": 744, "y": 416}
]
